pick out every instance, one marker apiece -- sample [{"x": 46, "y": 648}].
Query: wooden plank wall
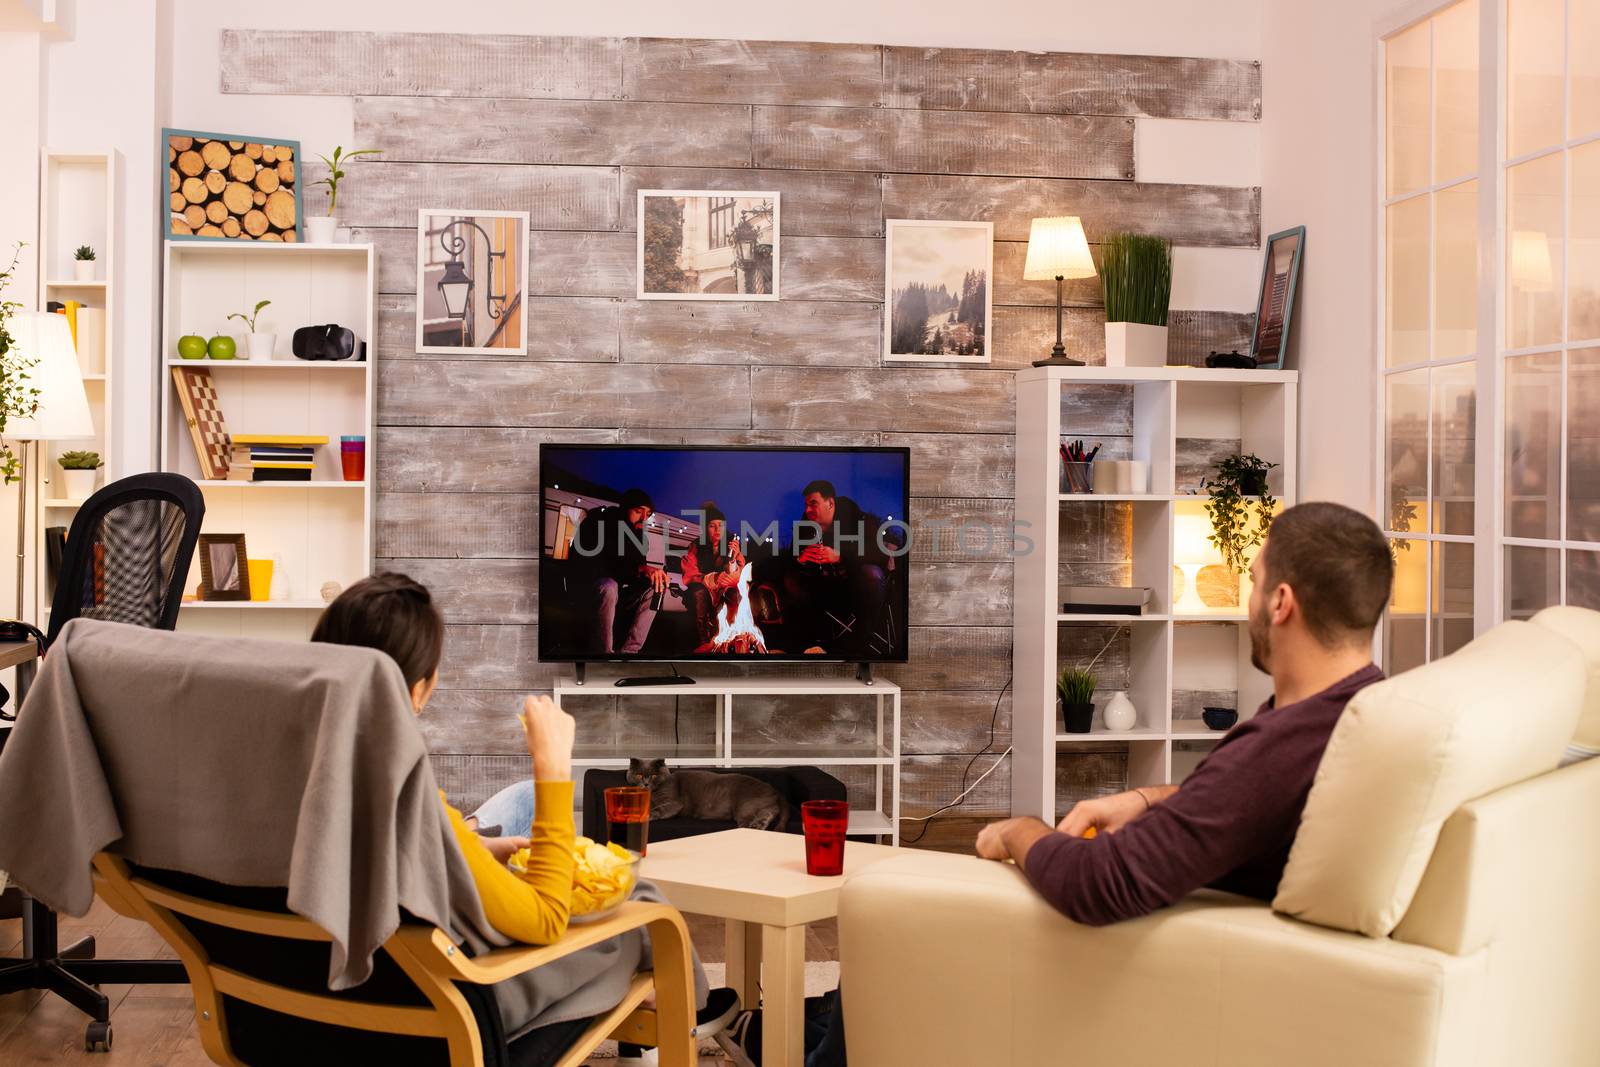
[{"x": 850, "y": 134}]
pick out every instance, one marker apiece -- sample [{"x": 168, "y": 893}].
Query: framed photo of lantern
[
  {"x": 230, "y": 187},
  {"x": 707, "y": 244},
  {"x": 471, "y": 281}
]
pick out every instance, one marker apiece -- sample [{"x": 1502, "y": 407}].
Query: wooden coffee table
[{"x": 756, "y": 880}]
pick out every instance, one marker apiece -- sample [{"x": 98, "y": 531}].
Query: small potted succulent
[
  {"x": 258, "y": 345},
  {"x": 1075, "y": 691},
  {"x": 83, "y": 264},
  {"x": 1136, "y": 275},
  {"x": 320, "y": 228},
  {"x": 78, "y": 472}
]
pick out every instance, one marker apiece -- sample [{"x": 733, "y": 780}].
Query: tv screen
[{"x": 690, "y": 553}]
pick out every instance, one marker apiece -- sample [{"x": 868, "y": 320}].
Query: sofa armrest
[{"x": 955, "y": 960}]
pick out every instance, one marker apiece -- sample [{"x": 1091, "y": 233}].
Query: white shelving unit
[
  {"x": 320, "y": 530},
  {"x": 77, "y": 206},
  {"x": 1207, "y": 650},
  {"x": 882, "y": 755}
]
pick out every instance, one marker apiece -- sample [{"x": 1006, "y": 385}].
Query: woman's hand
[
  {"x": 549, "y": 732},
  {"x": 503, "y": 848}
]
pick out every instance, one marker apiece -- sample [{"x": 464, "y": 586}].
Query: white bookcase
[
  {"x": 319, "y": 531},
  {"x": 77, "y": 206},
  {"x": 1206, "y": 650}
]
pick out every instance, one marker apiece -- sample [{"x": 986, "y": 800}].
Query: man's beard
[{"x": 1260, "y": 642}]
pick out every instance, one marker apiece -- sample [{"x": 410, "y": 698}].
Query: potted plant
[
  {"x": 78, "y": 473},
  {"x": 1136, "y": 275},
  {"x": 19, "y": 398},
  {"x": 259, "y": 345},
  {"x": 83, "y": 264},
  {"x": 1239, "y": 487},
  {"x": 1075, "y": 690},
  {"x": 320, "y": 228}
]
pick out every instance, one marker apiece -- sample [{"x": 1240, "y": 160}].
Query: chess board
[{"x": 198, "y": 395}]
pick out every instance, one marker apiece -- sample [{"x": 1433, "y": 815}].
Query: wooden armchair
[{"x": 254, "y": 970}]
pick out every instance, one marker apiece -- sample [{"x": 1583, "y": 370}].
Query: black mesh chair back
[{"x": 128, "y": 553}]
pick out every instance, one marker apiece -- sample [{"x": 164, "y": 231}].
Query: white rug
[{"x": 821, "y": 977}]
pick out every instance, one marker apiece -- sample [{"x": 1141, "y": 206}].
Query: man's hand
[
  {"x": 550, "y": 732},
  {"x": 1010, "y": 839},
  {"x": 656, "y": 577},
  {"x": 819, "y": 554},
  {"x": 1107, "y": 815},
  {"x": 503, "y": 848}
]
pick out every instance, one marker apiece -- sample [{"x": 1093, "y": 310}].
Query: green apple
[
  {"x": 192, "y": 346},
  {"x": 222, "y": 347}
]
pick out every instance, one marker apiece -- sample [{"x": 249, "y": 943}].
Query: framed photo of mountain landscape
[
  {"x": 937, "y": 291},
  {"x": 230, "y": 187}
]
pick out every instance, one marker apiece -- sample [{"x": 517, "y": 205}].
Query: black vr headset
[{"x": 328, "y": 342}]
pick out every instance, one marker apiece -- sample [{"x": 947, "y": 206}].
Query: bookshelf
[
  {"x": 318, "y": 531},
  {"x": 1178, "y": 654},
  {"x": 77, "y": 206}
]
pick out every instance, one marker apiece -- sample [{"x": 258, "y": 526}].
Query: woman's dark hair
[{"x": 391, "y": 613}]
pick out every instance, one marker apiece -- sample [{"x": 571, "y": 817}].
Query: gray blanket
[{"x": 261, "y": 763}]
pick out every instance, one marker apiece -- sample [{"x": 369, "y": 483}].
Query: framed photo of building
[
  {"x": 230, "y": 187},
  {"x": 1280, "y": 277},
  {"x": 472, "y": 270},
  {"x": 697, "y": 244},
  {"x": 936, "y": 282}
]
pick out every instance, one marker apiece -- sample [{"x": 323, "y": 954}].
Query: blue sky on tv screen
[{"x": 749, "y": 485}]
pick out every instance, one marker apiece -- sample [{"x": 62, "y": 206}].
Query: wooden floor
[{"x": 153, "y": 1026}]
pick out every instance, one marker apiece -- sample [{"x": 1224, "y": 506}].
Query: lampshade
[
  {"x": 1530, "y": 261},
  {"x": 1191, "y": 538},
  {"x": 1057, "y": 248},
  {"x": 63, "y": 413}
]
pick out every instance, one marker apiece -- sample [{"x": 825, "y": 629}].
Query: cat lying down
[{"x": 690, "y": 794}]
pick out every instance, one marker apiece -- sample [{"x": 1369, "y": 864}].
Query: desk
[{"x": 756, "y": 880}]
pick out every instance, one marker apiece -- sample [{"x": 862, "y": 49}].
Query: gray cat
[{"x": 689, "y": 794}]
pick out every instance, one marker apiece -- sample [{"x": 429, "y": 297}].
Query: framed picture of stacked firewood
[{"x": 230, "y": 187}]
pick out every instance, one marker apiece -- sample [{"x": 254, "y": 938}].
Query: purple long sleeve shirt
[{"x": 1228, "y": 827}]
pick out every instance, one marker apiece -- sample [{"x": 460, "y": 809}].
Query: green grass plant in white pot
[{"x": 1136, "y": 274}]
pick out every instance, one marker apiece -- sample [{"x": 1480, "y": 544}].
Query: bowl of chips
[{"x": 602, "y": 877}]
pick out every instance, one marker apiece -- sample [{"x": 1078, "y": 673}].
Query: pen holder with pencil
[{"x": 1077, "y": 476}]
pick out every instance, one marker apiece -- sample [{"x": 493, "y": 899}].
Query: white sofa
[{"x": 1493, "y": 957}]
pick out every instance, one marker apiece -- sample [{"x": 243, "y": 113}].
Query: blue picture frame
[
  {"x": 167, "y": 156},
  {"x": 1280, "y": 282}
]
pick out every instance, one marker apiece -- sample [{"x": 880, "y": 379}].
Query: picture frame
[
  {"x": 1280, "y": 281},
  {"x": 708, "y": 244},
  {"x": 224, "y": 567},
  {"x": 229, "y": 187},
  {"x": 929, "y": 268},
  {"x": 472, "y": 278}
]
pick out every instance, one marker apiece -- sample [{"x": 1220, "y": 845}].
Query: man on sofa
[{"x": 1321, "y": 581}]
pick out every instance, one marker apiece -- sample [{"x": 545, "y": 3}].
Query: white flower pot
[
  {"x": 262, "y": 344},
  {"x": 319, "y": 229},
  {"x": 1120, "y": 715},
  {"x": 1135, "y": 344},
  {"x": 83, "y": 270},
  {"x": 78, "y": 484}
]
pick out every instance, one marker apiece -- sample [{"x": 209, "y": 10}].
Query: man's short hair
[
  {"x": 637, "y": 498},
  {"x": 1337, "y": 562},
  {"x": 819, "y": 486}
]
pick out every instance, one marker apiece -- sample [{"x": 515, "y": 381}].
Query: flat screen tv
[{"x": 720, "y": 553}]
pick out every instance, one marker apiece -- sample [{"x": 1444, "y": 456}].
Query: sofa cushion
[
  {"x": 1582, "y": 627},
  {"x": 1411, "y": 749}
]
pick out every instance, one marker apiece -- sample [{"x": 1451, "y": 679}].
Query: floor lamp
[{"x": 63, "y": 412}]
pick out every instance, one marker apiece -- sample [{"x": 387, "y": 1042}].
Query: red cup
[
  {"x": 353, "y": 458},
  {"x": 628, "y": 817},
  {"x": 825, "y": 822}
]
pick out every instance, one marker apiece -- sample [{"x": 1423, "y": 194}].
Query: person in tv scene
[
  {"x": 396, "y": 615},
  {"x": 843, "y": 574},
  {"x": 625, "y": 583},
  {"x": 1321, "y": 580},
  {"x": 711, "y": 570}
]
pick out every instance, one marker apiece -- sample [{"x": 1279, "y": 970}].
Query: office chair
[{"x": 126, "y": 560}]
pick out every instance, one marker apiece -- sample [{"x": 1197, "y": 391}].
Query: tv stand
[{"x": 864, "y": 673}]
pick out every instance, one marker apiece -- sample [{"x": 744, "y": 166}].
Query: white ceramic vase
[
  {"x": 78, "y": 484},
  {"x": 83, "y": 270},
  {"x": 1120, "y": 715},
  {"x": 1135, "y": 344},
  {"x": 320, "y": 228},
  {"x": 262, "y": 344}
]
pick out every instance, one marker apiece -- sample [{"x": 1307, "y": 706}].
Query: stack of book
[{"x": 273, "y": 457}]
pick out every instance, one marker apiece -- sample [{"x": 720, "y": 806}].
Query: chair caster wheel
[{"x": 97, "y": 1038}]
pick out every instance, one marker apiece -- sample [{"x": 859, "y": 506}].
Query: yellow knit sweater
[{"x": 531, "y": 908}]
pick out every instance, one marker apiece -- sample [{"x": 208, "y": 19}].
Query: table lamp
[
  {"x": 1191, "y": 551},
  {"x": 1057, "y": 249},
  {"x": 63, "y": 411}
]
